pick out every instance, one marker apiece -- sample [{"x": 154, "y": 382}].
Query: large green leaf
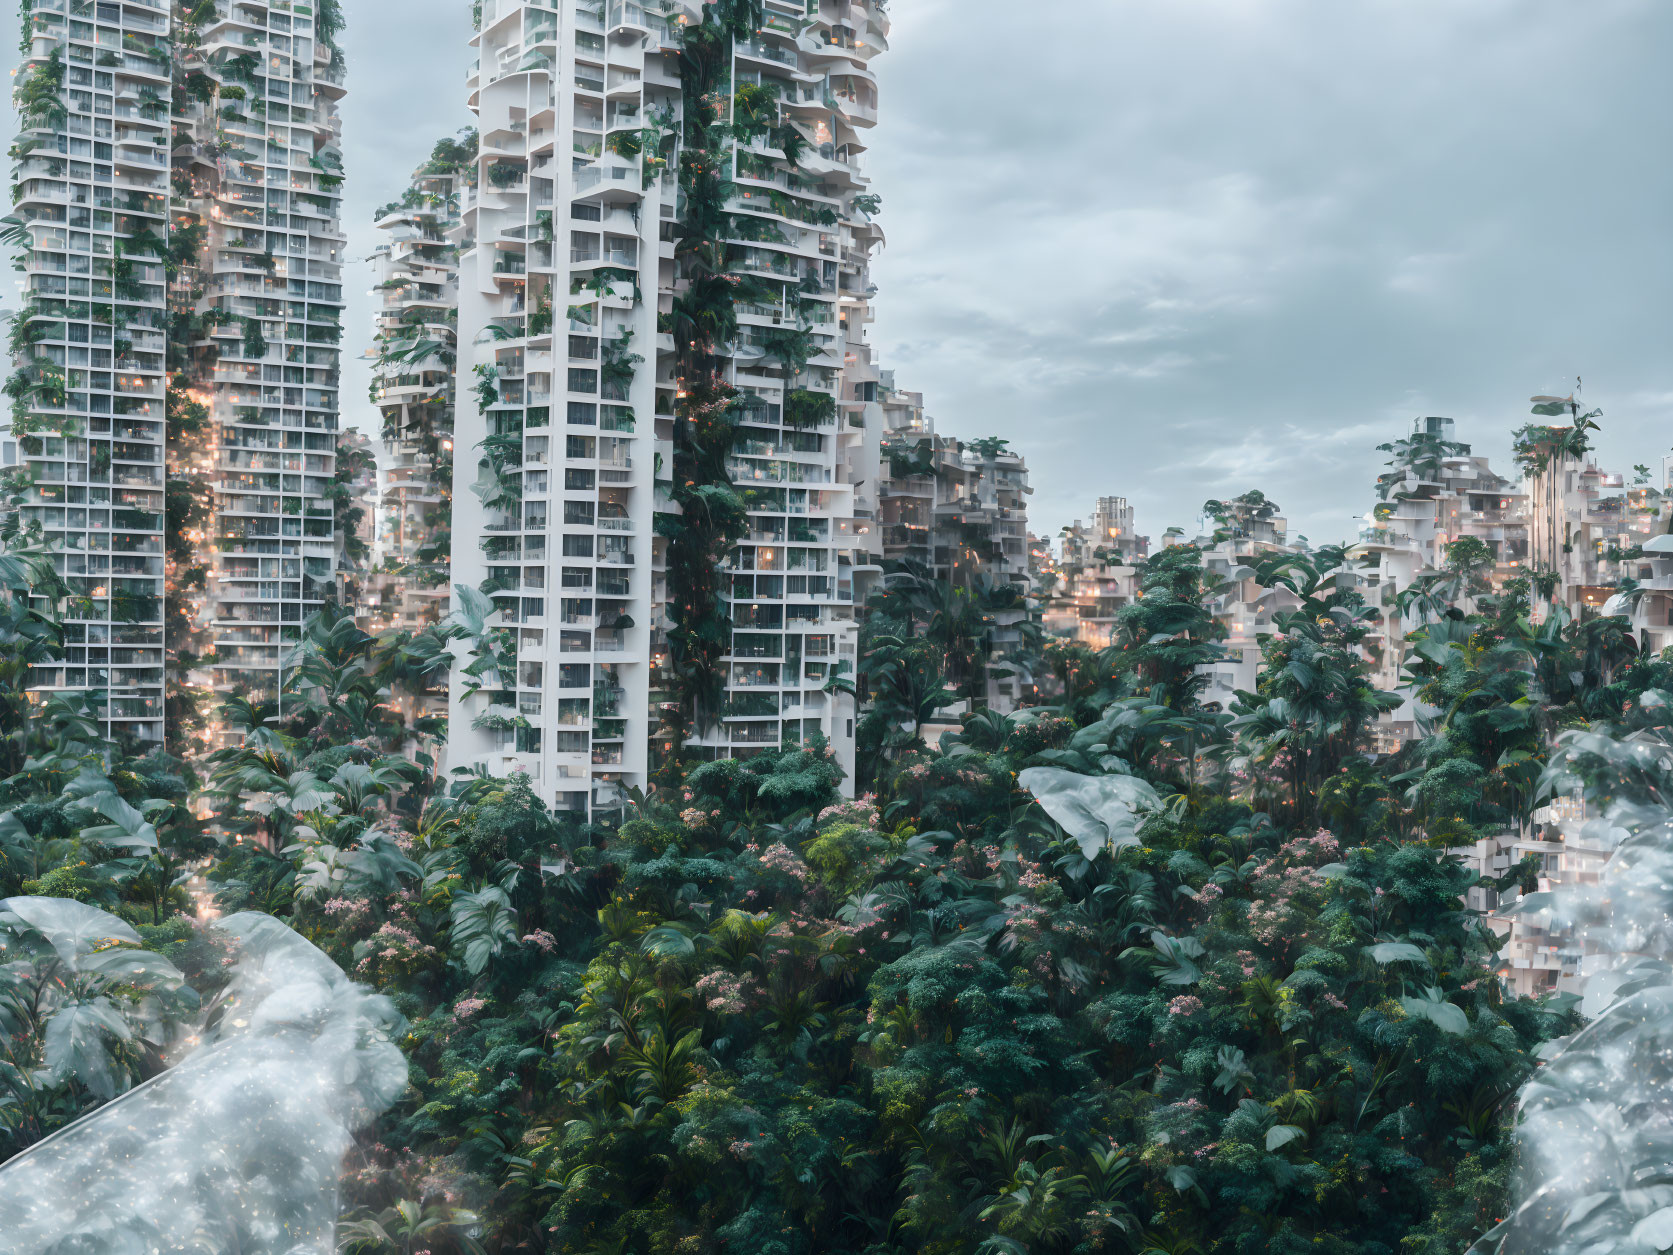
[
  {"x": 1434, "y": 1007},
  {"x": 474, "y": 607},
  {"x": 1234, "y": 1069},
  {"x": 1282, "y": 1135},
  {"x": 1174, "y": 964},
  {"x": 133, "y": 967},
  {"x": 76, "y": 1046},
  {"x": 1099, "y": 812},
  {"x": 667, "y": 943},
  {"x": 1396, "y": 952},
  {"x": 127, "y": 830},
  {"x": 484, "y": 924},
  {"x": 72, "y": 928}
]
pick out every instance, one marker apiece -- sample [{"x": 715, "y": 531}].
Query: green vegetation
[{"x": 1119, "y": 973}]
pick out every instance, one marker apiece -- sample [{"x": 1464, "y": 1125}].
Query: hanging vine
[{"x": 711, "y": 516}]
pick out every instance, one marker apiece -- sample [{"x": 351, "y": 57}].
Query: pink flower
[
  {"x": 1185, "y": 1004},
  {"x": 781, "y": 858}
]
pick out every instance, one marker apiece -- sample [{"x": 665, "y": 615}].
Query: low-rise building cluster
[{"x": 1444, "y": 529}]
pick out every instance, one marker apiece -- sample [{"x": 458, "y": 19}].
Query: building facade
[
  {"x": 1096, "y": 573},
  {"x": 415, "y": 351},
  {"x": 175, "y": 392},
  {"x": 258, "y": 320},
  {"x": 1435, "y": 492},
  {"x": 580, "y": 252}
]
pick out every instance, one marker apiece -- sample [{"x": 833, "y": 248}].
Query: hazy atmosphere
[
  {"x": 1233, "y": 245},
  {"x": 1174, "y": 251}
]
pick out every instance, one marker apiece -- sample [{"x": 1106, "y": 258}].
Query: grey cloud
[{"x": 1174, "y": 250}]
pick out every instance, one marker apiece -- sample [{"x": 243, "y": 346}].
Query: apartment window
[
  {"x": 583, "y": 413},
  {"x": 577, "y": 546},
  {"x": 762, "y": 617},
  {"x": 748, "y": 645},
  {"x": 578, "y": 512}
]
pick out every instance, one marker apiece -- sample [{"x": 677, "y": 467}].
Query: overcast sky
[
  {"x": 1180, "y": 248},
  {"x": 1174, "y": 249}
]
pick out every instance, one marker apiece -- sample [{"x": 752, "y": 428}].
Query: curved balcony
[
  {"x": 626, "y": 20},
  {"x": 610, "y": 183},
  {"x": 771, "y": 54},
  {"x": 852, "y": 110}
]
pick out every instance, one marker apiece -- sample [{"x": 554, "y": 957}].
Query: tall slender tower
[
  {"x": 85, "y": 436},
  {"x": 415, "y": 348},
  {"x": 174, "y": 404},
  {"x": 257, "y": 320},
  {"x": 553, "y": 495},
  {"x": 663, "y": 293},
  {"x": 798, "y": 238}
]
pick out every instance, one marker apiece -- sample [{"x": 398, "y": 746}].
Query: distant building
[
  {"x": 1586, "y": 526},
  {"x": 1096, "y": 573},
  {"x": 415, "y": 350}
]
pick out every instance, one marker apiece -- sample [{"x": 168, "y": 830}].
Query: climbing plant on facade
[{"x": 710, "y": 516}]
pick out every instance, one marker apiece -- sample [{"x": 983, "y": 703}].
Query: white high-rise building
[
  {"x": 579, "y": 255},
  {"x": 553, "y": 483},
  {"x": 175, "y": 392},
  {"x": 416, "y": 344},
  {"x": 262, "y": 319},
  {"x": 86, "y": 426}
]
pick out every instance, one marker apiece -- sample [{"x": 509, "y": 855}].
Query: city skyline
[
  {"x": 1162, "y": 164},
  {"x": 1327, "y": 444}
]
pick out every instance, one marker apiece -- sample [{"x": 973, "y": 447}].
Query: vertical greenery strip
[{"x": 712, "y": 516}]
